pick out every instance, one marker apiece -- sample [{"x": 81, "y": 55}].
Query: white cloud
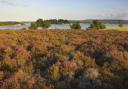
[
  {"x": 123, "y": 15},
  {"x": 114, "y": 14}
]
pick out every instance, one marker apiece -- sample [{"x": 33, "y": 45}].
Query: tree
[
  {"x": 75, "y": 26},
  {"x": 33, "y": 26},
  {"x": 97, "y": 25},
  {"x": 120, "y": 24},
  {"x": 45, "y": 24},
  {"x": 40, "y": 23}
]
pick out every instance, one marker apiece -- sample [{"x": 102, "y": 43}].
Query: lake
[
  {"x": 58, "y": 26},
  {"x": 83, "y": 26}
]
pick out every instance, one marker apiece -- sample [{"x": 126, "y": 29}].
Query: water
[
  {"x": 58, "y": 26},
  {"x": 83, "y": 26}
]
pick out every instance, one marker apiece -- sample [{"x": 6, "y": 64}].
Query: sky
[{"x": 30, "y": 10}]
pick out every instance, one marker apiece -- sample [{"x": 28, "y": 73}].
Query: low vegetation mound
[
  {"x": 58, "y": 59},
  {"x": 10, "y": 23},
  {"x": 40, "y": 23},
  {"x": 97, "y": 25},
  {"x": 75, "y": 26}
]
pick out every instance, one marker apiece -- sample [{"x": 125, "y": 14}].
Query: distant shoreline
[{"x": 53, "y": 21}]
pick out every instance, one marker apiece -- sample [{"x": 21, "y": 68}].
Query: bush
[
  {"x": 120, "y": 24},
  {"x": 33, "y": 26},
  {"x": 45, "y": 24},
  {"x": 75, "y": 26},
  {"x": 97, "y": 25},
  {"x": 40, "y": 23},
  {"x": 55, "y": 72}
]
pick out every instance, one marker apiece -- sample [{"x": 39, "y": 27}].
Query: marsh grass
[{"x": 117, "y": 29}]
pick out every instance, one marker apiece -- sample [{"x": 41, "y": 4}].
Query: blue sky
[{"x": 23, "y": 10}]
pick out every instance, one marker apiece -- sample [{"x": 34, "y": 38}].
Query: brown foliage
[{"x": 55, "y": 59}]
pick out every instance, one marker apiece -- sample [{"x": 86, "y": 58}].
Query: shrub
[
  {"x": 1, "y": 75},
  {"x": 72, "y": 59},
  {"x": 97, "y": 25},
  {"x": 33, "y": 26},
  {"x": 75, "y": 26},
  {"x": 39, "y": 23},
  {"x": 55, "y": 72},
  {"x": 91, "y": 73},
  {"x": 120, "y": 24}
]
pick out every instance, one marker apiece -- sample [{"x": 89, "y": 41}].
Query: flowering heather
[{"x": 63, "y": 59}]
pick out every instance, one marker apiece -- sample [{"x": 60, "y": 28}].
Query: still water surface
[{"x": 58, "y": 26}]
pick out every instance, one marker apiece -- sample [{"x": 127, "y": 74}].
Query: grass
[
  {"x": 10, "y": 23},
  {"x": 118, "y": 29}
]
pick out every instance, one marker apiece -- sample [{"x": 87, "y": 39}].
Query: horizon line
[{"x": 62, "y": 19}]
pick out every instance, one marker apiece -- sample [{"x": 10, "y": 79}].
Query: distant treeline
[
  {"x": 105, "y": 21},
  {"x": 10, "y": 23},
  {"x": 58, "y": 21},
  {"x": 41, "y": 24},
  {"x": 62, "y": 21}
]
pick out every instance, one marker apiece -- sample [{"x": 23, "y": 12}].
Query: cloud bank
[{"x": 119, "y": 14}]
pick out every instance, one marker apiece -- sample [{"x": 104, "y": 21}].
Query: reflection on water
[{"x": 58, "y": 26}]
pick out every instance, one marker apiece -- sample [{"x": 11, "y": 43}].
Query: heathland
[{"x": 63, "y": 59}]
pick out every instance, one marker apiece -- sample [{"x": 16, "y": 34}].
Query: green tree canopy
[
  {"x": 33, "y": 26},
  {"x": 97, "y": 25},
  {"x": 120, "y": 24},
  {"x": 75, "y": 26},
  {"x": 40, "y": 23}
]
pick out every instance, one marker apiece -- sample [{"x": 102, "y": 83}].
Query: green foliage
[
  {"x": 120, "y": 24},
  {"x": 10, "y": 23},
  {"x": 39, "y": 23},
  {"x": 59, "y": 21},
  {"x": 45, "y": 24},
  {"x": 33, "y": 26},
  {"x": 97, "y": 25},
  {"x": 75, "y": 26}
]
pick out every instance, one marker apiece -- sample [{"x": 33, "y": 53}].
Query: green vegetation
[
  {"x": 97, "y": 25},
  {"x": 59, "y": 21},
  {"x": 116, "y": 29},
  {"x": 10, "y": 23},
  {"x": 33, "y": 26},
  {"x": 63, "y": 59},
  {"x": 40, "y": 23},
  {"x": 120, "y": 24},
  {"x": 75, "y": 26}
]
